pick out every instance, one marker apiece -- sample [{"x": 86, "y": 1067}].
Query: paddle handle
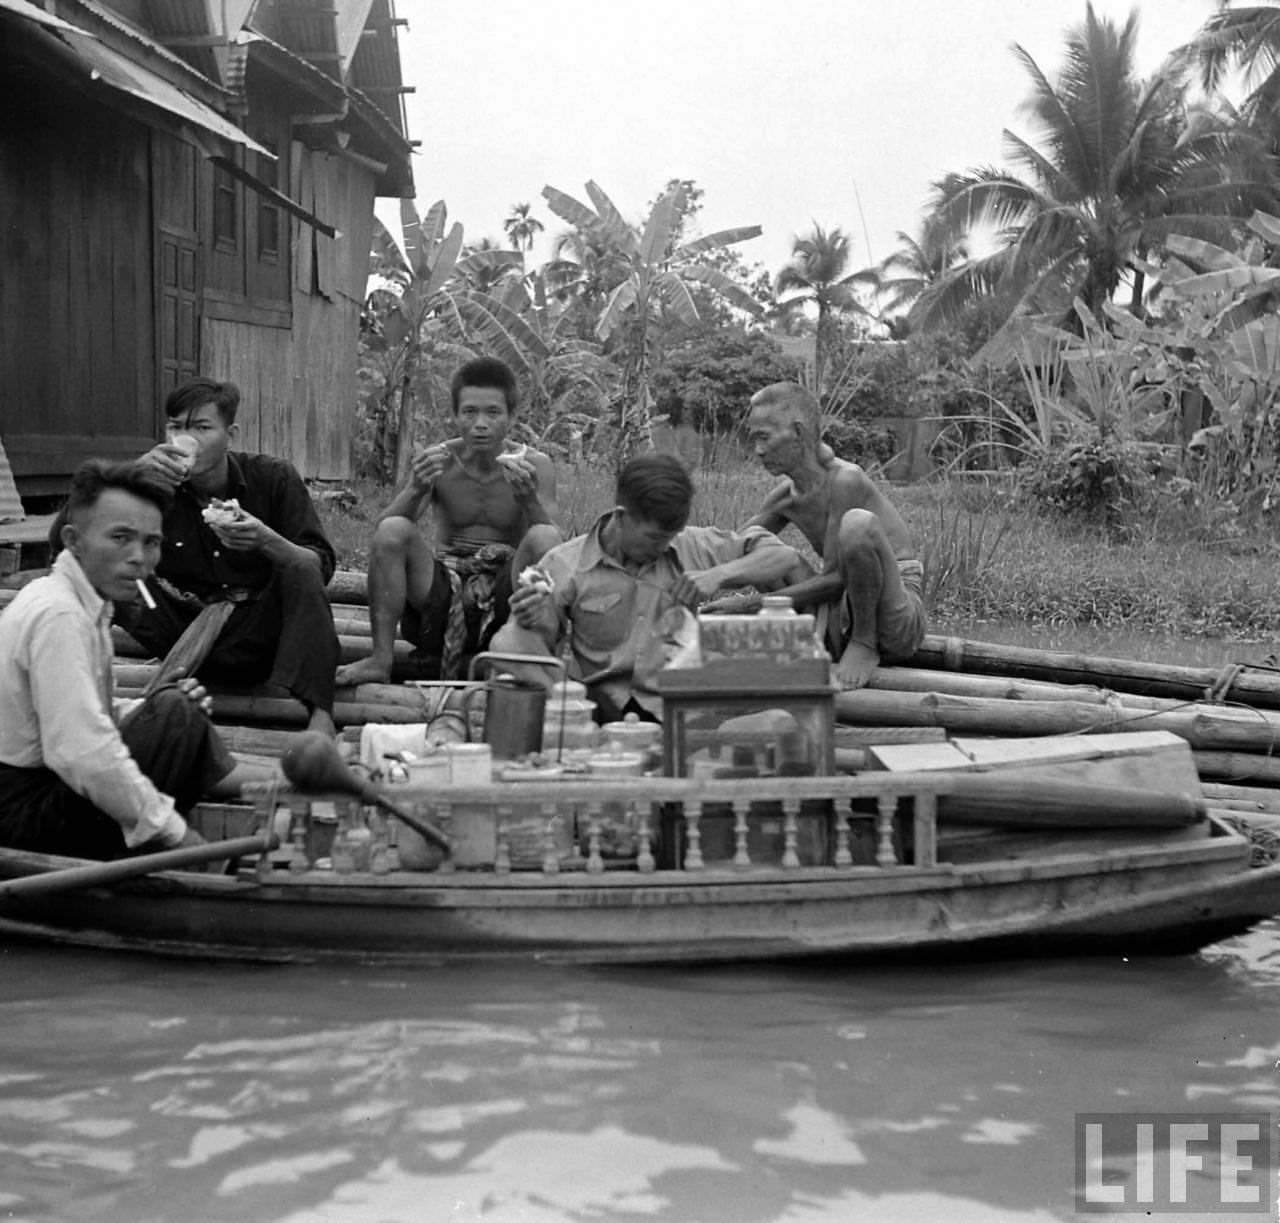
[
  {"x": 424, "y": 828},
  {"x": 49, "y": 882}
]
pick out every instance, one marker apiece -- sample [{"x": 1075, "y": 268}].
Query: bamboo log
[
  {"x": 1203, "y": 730},
  {"x": 1035, "y": 801},
  {"x": 1251, "y": 799},
  {"x": 1238, "y": 767},
  {"x": 1005, "y": 688},
  {"x": 1252, "y": 685},
  {"x": 349, "y": 586}
]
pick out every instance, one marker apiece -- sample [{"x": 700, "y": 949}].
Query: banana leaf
[
  {"x": 445, "y": 262},
  {"x": 728, "y": 289},
  {"x": 675, "y": 296},
  {"x": 614, "y": 222},
  {"x": 657, "y": 230},
  {"x": 521, "y": 334},
  {"x": 723, "y": 237},
  {"x": 623, "y": 297},
  {"x": 1206, "y": 254}
]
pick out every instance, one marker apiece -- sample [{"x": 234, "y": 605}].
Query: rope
[{"x": 1216, "y": 693}]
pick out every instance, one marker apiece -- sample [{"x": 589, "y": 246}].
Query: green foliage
[
  {"x": 707, "y": 380},
  {"x": 959, "y": 550},
  {"x": 1097, "y": 481}
]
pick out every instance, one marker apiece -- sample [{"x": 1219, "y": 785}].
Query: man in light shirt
[
  {"x": 82, "y": 774},
  {"x": 612, "y": 591}
]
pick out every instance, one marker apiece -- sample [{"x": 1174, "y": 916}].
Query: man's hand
[
  {"x": 195, "y": 692},
  {"x": 189, "y": 838},
  {"x": 167, "y": 464},
  {"x": 428, "y": 465},
  {"x": 522, "y": 476},
  {"x": 245, "y": 534},
  {"x": 533, "y": 608},
  {"x": 696, "y": 587}
]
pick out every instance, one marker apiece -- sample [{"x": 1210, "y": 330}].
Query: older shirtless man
[
  {"x": 495, "y": 512},
  {"x": 870, "y": 590}
]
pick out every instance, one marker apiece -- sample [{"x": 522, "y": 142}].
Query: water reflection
[{"x": 131, "y": 1089}]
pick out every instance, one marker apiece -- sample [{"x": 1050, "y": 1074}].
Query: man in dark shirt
[{"x": 268, "y": 556}]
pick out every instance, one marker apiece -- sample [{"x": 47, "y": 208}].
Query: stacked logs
[{"x": 1231, "y": 719}]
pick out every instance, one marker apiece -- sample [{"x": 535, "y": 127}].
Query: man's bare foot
[
  {"x": 322, "y": 720},
  {"x": 369, "y": 670},
  {"x": 857, "y": 665}
]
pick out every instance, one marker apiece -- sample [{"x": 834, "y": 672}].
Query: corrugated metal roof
[
  {"x": 116, "y": 70},
  {"x": 142, "y": 38}
]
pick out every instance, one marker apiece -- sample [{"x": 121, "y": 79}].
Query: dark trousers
[
  {"x": 171, "y": 741},
  {"x": 284, "y": 635}
]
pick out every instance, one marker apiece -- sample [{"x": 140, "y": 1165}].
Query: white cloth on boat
[{"x": 56, "y": 697}]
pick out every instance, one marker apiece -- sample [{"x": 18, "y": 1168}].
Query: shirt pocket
[{"x": 599, "y": 605}]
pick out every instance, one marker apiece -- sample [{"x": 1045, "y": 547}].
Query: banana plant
[
  {"x": 432, "y": 310},
  {"x": 655, "y": 278}
]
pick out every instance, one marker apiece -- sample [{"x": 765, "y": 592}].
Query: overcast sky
[{"x": 783, "y": 111}]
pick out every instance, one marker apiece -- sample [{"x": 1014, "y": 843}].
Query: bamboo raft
[{"x": 1229, "y": 717}]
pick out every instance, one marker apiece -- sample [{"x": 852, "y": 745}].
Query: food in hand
[
  {"x": 512, "y": 460},
  {"x": 536, "y": 578},
  {"x": 219, "y": 513}
]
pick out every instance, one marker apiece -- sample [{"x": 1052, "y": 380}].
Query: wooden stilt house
[{"x": 187, "y": 186}]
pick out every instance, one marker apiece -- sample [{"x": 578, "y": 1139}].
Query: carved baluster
[
  {"x": 444, "y": 814},
  {"x": 790, "y": 833},
  {"x": 843, "y": 856},
  {"x": 595, "y": 863},
  {"x": 886, "y": 805},
  {"x": 926, "y": 830},
  {"x": 741, "y": 858},
  {"x": 502, "y": 855},
  {"x": 693, "y": 835},
  {"x": 644, "y": 852},
  {"x": 550, "y": 851}
]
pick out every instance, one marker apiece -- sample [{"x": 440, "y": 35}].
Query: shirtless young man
[
  {"x": 495, "y": 512},
  {"x": 871, "y": 586}
]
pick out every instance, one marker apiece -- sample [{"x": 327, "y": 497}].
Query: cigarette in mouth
[{"x": 145, "y": 593}]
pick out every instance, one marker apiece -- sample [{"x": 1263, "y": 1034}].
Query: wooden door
[{"x": 178, "y": 269}]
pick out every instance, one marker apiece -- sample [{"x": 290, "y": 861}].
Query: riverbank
[{"x": 988, "y": 559}]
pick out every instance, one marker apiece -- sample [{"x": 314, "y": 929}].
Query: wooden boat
[
  {"x": 888, "y": 865},
  {"x": 880, "y": 865}
]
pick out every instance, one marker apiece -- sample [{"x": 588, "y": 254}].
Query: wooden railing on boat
[{"x": 878, "y": 821}]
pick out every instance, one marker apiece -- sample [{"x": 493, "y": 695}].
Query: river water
[
  {"x": 135, "y": 1089},
  {"x": 139, "y": 1090}
]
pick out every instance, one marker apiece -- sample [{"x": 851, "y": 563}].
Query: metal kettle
[{"x": 513, "y": 711}]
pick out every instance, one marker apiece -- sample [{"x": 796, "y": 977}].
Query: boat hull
[{"x": 1168, "y": 898}]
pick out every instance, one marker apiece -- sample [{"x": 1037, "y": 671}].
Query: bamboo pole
[
  {"x": 1238, "y": 767},
  {"x": 921, "y": 679},
  {"x": 1252, "y": 685},
  {"x": 1201, "y": 727}
]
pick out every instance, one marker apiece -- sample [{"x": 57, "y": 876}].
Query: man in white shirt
[{"x": 82, "y": 774}]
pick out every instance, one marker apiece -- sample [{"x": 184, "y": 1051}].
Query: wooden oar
[
  {"x": 192, "y": 648},
  {"x": 312, "y": 762},
  {"x": 49, "y": 882}
]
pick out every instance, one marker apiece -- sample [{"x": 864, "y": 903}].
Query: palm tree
[
  {"x": 917, "y": 265},
  {"x": 1120, "y": 163},
  {"x": 653, "y": 278},
  {"x": 522, "y": 227},
  {"x": 1246, "y": 38},
  {"x": 817, "y": 275}
]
